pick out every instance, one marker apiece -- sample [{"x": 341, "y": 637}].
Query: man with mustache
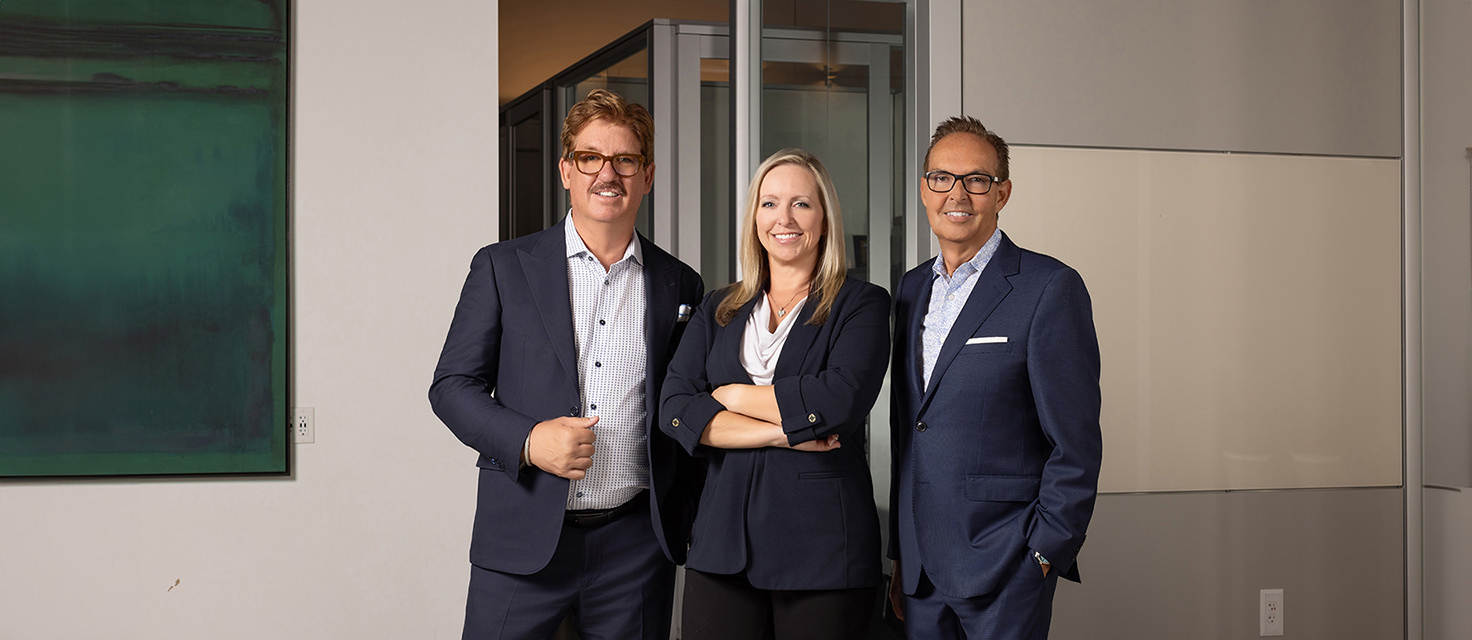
[
  {"x": 995, "y": 425},
  {"x": 552, "y": 372}
]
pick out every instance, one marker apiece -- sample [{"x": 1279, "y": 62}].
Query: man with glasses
[
  {"x": 552, "y": 372},
  {"x": 995, "y": 425}
]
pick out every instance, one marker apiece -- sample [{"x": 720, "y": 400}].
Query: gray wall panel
[
  {"x": 1189, "y": 565},
  {"x": 1301, "y": 77},
  {"x": 1446, "y": 250}
]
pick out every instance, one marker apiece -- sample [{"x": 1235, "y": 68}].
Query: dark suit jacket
[
  {"x": 789, "y": 519},
  {"x": 510, "y": 361},
  {"x": 1000, "y": 456}
]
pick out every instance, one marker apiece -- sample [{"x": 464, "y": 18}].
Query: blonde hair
[{"x": 832, "y": 265}]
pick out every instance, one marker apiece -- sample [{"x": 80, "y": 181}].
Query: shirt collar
[
  {"x": 977, "y": 262},
  {"x": 575, "y": 246}
]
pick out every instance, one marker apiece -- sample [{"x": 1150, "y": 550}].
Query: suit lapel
[
  {"x": 726, "y": 350},
  {"x": 545, "y": 267},
  {"x": 915, "y": 328},
  {"x": 799, "y": 340},
  {"x": 991, "y": 287},
  {"x": 660, "y": 308}
]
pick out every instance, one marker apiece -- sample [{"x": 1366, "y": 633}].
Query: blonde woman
[{"x": 771, "y": 385}]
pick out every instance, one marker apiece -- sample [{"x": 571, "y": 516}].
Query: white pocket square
[{"x": 988, "y": 340}]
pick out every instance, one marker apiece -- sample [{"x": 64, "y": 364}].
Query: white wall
[{"x": 394, "y": 179}]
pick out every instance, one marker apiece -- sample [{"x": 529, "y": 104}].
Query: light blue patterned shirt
[
  {"x": 948, "y": 295},
  {"x": 608, "y": 322}
]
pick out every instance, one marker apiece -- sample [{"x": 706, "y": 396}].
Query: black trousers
[{"x": 720, "y": 607}]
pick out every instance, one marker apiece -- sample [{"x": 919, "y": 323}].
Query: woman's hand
[{"x": 820, "y": 445}]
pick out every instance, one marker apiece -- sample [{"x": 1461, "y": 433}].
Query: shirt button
[
  {"x": 593, "y": 407},
  {"x": 580, "y": 494},
  {"x": 597, "y": 364},
  {"x": 951, "y": 297},
  {"x": 605, "y": 283},
  {"x": 602, "y": 322},
  {"x": 920, "y": 426}
]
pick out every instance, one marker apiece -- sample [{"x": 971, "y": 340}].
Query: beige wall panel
[{"x": 1247, "y": 309}]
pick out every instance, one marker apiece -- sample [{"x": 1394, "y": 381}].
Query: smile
[{"x": 958, "y": 214}]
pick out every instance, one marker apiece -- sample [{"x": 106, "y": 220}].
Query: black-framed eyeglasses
[
  {"x": 974, "y": 183},
  {"x": 591, "y": 162}
]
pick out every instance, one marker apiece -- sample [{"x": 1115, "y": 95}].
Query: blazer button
[
  {"x": 920, "y": 426},
  {"x": 812, "y": 417},
  {"x": 675, "y": 422}
]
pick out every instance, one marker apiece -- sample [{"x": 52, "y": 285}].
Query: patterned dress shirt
[
  {"x": 608, "y": 320},
  {"x": 948, "y": 294}
]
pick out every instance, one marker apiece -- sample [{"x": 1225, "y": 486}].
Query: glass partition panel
[
  {"x": 628, "y": 77},
  {"x": 832, "y": 83},
  {"x": 718, "y": 223}
]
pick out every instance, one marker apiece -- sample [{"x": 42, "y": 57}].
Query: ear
[
  {"x": 648, "y": 174},
  {"x": 565, "y": 169},
  {"x": 1004, "y": 193}
]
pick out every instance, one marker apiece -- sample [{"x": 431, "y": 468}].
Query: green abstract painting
[{"x": 143, "y": 237}]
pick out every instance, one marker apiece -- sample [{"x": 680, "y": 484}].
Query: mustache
[{"x": 608, "y": 186}]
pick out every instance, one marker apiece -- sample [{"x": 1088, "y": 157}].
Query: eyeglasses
[
  {"x": 974, "y": 183},
  {"x": 591, "y": 162}
]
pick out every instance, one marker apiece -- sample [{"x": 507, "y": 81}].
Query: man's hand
[
  {"x": 563, "y": 446},
  {"x": 896, "y": 594}
]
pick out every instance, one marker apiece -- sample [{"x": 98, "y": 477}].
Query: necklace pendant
[{"x": 781, "y": 312}]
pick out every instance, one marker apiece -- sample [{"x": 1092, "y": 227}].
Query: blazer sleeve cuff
[
  {"x": 800, "y": 422},
  {"x": 687, "y": 421}
]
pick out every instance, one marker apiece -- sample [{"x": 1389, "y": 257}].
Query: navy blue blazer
[
  {"x": 510, "y": 361},
  {"x": 1000, "y": 456},
  {"x": 790, "y": 520}
]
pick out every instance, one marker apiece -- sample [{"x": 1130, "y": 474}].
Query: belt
[{"x": 593, "y": 518}]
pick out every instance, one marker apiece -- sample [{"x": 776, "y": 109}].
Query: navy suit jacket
[
  {"x": 790, "y": 520},
  {"x": 1000, "y": 456},
  {"x": 510, "y": 361}
]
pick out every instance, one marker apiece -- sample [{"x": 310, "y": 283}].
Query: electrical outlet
[
  {"x": 1270, "y": 616},
  {"x": 303, "y": 425}
]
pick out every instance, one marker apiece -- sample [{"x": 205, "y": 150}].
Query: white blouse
[{"x": 760, "y": 348}]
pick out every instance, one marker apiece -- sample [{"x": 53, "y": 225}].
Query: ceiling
[{"x": 539, "y": 39}]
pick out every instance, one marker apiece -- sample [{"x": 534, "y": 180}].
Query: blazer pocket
[
  {"x": 988, "y": 345},
  {"x": 824, "y": 475},
  {"x": 1002, "y": 488}
]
